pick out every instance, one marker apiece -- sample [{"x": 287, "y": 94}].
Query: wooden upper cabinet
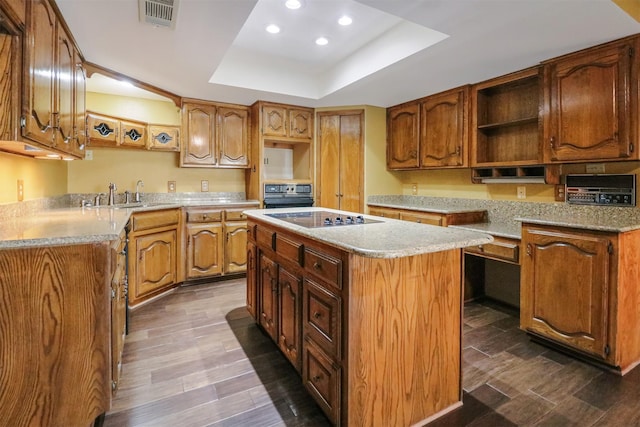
[
  {"x": 284, "y": 121},
  {"x": 10, "y": 69},
  {"x": 301, "y": 123},
  {"x": 40, "y": 74},
  {"x": 64, "y": 120},
  {"x": 233, "y": 136},
  {"x": 591, "y": 102},
  {"x": 103, "y": 131},
  {"x": 565, "y": 284},
  {"x": 15, "y": 7},
  {"x": 216, "y": 135},
  {"x": 163, "y": 138},
  {"x": 133, "y": 134},
  {"x": 444, "y": 129},
  {"x": 199, "y": 124},
  {"x": 403, "y": 133},
  {"x": 80, "y": 104}
]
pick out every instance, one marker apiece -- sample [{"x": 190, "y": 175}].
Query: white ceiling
[{"x": 220, "y": 51}]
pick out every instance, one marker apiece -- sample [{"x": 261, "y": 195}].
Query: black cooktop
[{"x": 317, "y": 219}]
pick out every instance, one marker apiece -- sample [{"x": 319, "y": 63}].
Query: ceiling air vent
[{"x": 161, "y": 13}]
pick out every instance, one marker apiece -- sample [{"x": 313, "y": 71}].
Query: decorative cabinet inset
[
  {"x": 591, "y": 97},
  {"x": 430, "y": 132},
  {"x": 268, "y": 292},
  {"x": 107, "y": 131},
  {"x": 285, "y": 121},
  {"x": 579, "y": 289},
  {"x": 163, "y": 138},
  {"x": 290, "y": 306},
  {"x": 217, "y": 135}
]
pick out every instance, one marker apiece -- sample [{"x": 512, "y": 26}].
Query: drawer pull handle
[
  {"x": 317, "y": 315},
  {"x": 317, "y": 266},
  {"x": 316, "y": 378},
  {"x": 529, "y": 249},
  {"x": 481, "y": 248}
]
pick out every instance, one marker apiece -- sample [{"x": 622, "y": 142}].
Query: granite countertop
[
  {"x": 436, "y": 207},
  {"x": 388, "y": 238},
  {"x": 610, "y": 223},
  {"x": 66, "y": 226},
  {"x": 508, "y": 229}
]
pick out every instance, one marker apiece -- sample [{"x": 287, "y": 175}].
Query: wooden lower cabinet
[
  {"x": 119, "y": 287},
  {"x": 579, "y": 289},
  {"x": 153, "y": 249},
  {"x": 252, "y": 280},
  {"x": 204, "y": 249},
  {"x": 326, "y": 309},
  {"x": 430, "y": 218},
  {"x": 55, "y": 324},
  {"x": 235, "y": 246}
]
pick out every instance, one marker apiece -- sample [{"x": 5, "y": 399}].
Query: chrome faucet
[
  {"x": 127, "y": 197},
  {"x": 112, "y": 193},
  {"x": 97, "y": 201},
  {"x": 138, "y": 185}
]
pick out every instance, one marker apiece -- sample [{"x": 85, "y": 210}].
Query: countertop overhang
[{"x": 388, "y": 238}]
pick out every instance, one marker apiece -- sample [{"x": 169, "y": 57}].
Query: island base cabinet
[{"x": 55, "y": 355}]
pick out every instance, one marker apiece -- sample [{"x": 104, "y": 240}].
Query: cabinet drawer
[
  {"x": 322, "y": 317},
  {"x": 204, "y": 215},
  {"x": 265, "y": 237},
  {"x": 324, "y": 266},
  {"x": 422, "y": 218},
  {"x": 501, "y": 249},
  {"x": 154, "y": 219},
  {"x": 384, "y": 213},
  {"x": 289, "y": 249},
  {"x": 235, "y": 215},
  {"x": 322, "y": 378}
]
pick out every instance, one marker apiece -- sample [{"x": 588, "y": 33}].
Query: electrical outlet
[
  {"x": 171, "y": 186},
  {"x": 595, "y": 168},
  {"x": 204, "y": 185},
  {"x": 88, "y": 155},
  {"x": 522, "y": 192},
  {"x": 20, "y": 190},
  {"x": 559, "y": 193},
  {"x": 414, "y": 188}
]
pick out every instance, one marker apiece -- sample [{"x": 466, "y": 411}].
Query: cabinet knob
[
  {"x": 529, "y": 249},
  {"x": 317, "y": 266},
  {"x": 552, "y": 142},
  {"x": 480, "y": 248},
  {"x": 316, "y": 378},
  {"x": 317, "y": 315}
]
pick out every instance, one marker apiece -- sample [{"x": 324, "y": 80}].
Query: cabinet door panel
[
  {"x": 330, "y": 162},
  {"x": 80, "y": 107},
  {"x": 589, "y": 106},
  {"x": 235, "y": 259},
  {"x": 252, "y": 284},
  {"x": 163, "y": 138},
  {"x": 204, "y": 250},
  {"x": 565, "y": 286},
  {"x": 289, "y": 319},
  {"x": 274, "y": 120},
  {"x": 102, "y": 131},
  {"x": 444, "y": 130},
  {"x": 233, "y": 137},
  {"x": 199, "y": 127},
  {"x": 156, "y": 262},
  {"x": 350, "y": 162},
  {"x": 133, "y": 134},
  {"x": 40, "y": 73},
  {"x": 65, "y": 96},
  {"x": 268, "y": 290},
  {"x": 403, "y": 133},
  {"x": 300, "y": 123}
]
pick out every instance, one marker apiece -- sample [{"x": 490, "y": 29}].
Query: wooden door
[
  {"x": 204, "y": 249},
  {"x": 39, "y": 82},
  {"x": 589, "y": 106},
  {"x": 565, "y": 282},
  {"x": 403, "y": 134},
  {"x": 235, "y": 258},
  {"x": 300, "y": 123},
  {"x": 155, "y": 262},
  {"x": 341, "y": 162},
  {"x": 64, "y": 95},
  {"x": 163, "y": 138},
  {"x": 199, "y": 126},
  {"x": 289, "y": 331},
  {"x": 444, "y": 132},
  {"x": 252, "y": 280},
  {"x": 268, "y": 294},
  {"x": 133, "y": 134},
  {"x": 103, "y": 131},
  {"x": 80, "y": 107},
  {"x": 274, "y": 120},
  {"x": 233, "y": 137}
]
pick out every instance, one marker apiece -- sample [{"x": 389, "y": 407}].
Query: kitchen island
[{"x": 368, "y": 311}]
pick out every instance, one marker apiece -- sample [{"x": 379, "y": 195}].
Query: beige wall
[
  {"x": 125, "y": 167},
  {"x": 42, "y": 178}
]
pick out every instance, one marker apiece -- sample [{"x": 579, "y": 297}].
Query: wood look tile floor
[{"x": 195, "y": 358}]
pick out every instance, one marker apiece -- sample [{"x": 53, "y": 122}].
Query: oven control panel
[{"x": 601, "y": 190}]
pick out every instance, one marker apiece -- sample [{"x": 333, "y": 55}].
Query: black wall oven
[{"x": 287, "y": 196}]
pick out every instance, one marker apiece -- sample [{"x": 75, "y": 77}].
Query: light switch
[{"x": 204, "y": 185}]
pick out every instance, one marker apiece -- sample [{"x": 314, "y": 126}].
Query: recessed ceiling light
[
  {"x": 321, "y": 41},
  {"x": 345, "y": 20},
  {"x": 273, "y": 29},
  {"x": 293, "y": 4}
]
